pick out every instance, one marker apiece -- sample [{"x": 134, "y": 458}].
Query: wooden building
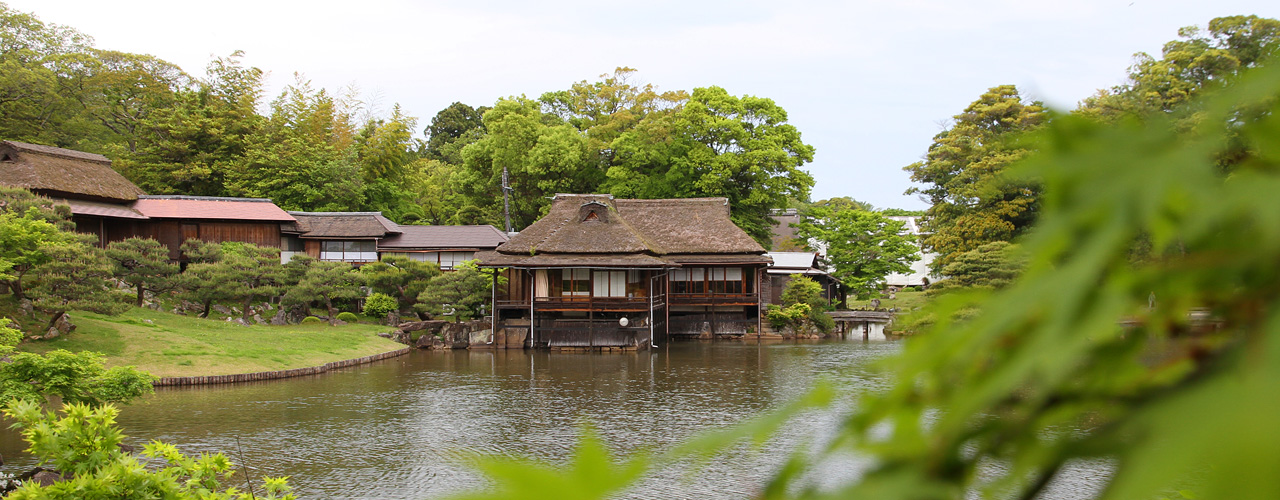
[
  {"x": 603, "y": 272},
  {"x": 789, "y": 264},
  {"x": 336, "y": 236},
  {"x": 447, "y": 246},
  {"x": 172, "y": 219},
  {"x": 99, "y": 197}
]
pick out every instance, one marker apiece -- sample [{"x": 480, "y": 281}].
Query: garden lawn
[
  {"x": 905, "y": 301},
  {"x": 171, "y": 345}
]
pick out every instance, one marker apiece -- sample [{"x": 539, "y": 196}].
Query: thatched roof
[
  {"x": 598, "y": 230},
  {"x": 443, "y": 238},
  {"x": 63, "y": 173},
  {"x": 352, "y": 225},
  {"x": 209, "y": 208}
]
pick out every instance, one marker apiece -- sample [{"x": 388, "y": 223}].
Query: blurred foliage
[{"x": 1074, "y": 360}]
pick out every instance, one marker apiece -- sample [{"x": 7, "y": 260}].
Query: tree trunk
[
  {"x": 207, "y": 305},
  {"x": 245, "y": 313},
  {"x": 328, "y": 304},
  {"x": 15, "y": 286},
  {"x": 141, "y": 291}
]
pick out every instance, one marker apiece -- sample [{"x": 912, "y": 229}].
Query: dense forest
[{"x": 311, "y": 149}]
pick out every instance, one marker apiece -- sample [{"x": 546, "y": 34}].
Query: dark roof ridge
[
  {"x": 199, "y": 198},
  {"x": 69, "y": 154}
]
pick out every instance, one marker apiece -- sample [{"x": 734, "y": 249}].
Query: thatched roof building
[
  {"x": 596, "y": 230},
  {"x": 63, "y": 173}
]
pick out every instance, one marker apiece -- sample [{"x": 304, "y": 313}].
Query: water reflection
[{"x": 397, "y": 429}]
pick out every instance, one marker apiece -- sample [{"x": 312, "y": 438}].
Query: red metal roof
[
  {"x": 116, "y": 211},
  {"x": 444, "y": 237},
  {"x": 202, "y": 207}
]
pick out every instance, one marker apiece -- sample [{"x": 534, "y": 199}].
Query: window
[
  {"x": 349, "y": 251},
  {"x": 726, "y": 279},
  {"x": 575, "y": 282},
  {"x": 609, "y": 284},
  {"x": 449, "y": 260}
]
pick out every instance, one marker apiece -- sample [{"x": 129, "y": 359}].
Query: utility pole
[{"x": 506, "y": 201}]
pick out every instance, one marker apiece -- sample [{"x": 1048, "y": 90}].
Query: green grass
[
  {"x": 905, "y": 301},
  {"x": 170, "y": 345}
]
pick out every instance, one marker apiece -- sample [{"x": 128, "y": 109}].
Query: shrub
[
  {"x": 311, "y": 320},
  {"x": 379, "y": 304},
  {"x": 349, "y": 317},
  {"x": 820, "y": 320}
]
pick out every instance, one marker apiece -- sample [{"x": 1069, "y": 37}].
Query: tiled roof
[
  {"x": 444, "y": 237},
  {"x": 206, "y": 207},
  {"x": 342, "y": 225},
  {"x": 115, "y": 211}
]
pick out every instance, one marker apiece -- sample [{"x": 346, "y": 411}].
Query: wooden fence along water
[{"x": 272, "y": 375}]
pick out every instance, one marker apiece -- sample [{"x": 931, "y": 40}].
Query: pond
[{"x": 402, "y": 428}]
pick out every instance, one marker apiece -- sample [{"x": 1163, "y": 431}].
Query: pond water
[{"x": 402, "y": 428}]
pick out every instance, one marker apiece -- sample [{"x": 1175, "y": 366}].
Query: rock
[
  {"x": 27, "y": 308},
  {"x": 239, "y": 321},
  {"x": 337, "y": 322},
  {"x": 432, "y": 325},
  {"x": 46, "y": 478},
  {"x": 53, "y": 333},
  {"x": 257, "y": 318},
  {"x": 281, "y": 318},
  {"x": 235, "y": 311},
  {"x": 64, "y": 325},
  {"x": 149, "y": 322},
  {"x": 154, "y": 306},
  {"x": 393, "y": 318},
  {"x": 180, "y": 311},
  {"x": 385, "y": 335},
  {"x": 221, "y": 309}
]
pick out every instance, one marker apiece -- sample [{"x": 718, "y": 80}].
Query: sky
[{"x": 867, "y": 83}]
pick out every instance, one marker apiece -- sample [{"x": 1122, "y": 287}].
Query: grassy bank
[
  {"x": 170, "y": 345},
  {"x": 904, "y": 301}
]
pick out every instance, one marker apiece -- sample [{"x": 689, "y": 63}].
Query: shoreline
[{"x": 237, "y": 378}]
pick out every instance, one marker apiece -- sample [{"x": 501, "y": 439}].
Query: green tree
[
  {"x": 803, "y": 307},
  {"x": 862, "y": 247},
  {"x": 35, "y": 58},
  {"x": 142, "y": 263},
  {"x": 119, "y": 91},
  {"x": 460, "y": 293},
  {"x": 251, "y": 273},
  {"x": 325, "y": 281},
  {"x": 716, "y": 144},
  {"x": 451, "y": 129},
  {"x": 542, "y": 156},
  {"x": 73, "y": 377},
  {"x": 301, "y": 160},
  {"x": 992, "y": 265},
  {"x": 22, "y": 241},
  {"x": 74, "y": 277},
  {"x": 973, "y": 201},
  {"x": 400, "y": 277},
  {"x": 82, "y": 444},
  {"x": 191, "y": 147},
  {"x": 1200, "y": 60}
]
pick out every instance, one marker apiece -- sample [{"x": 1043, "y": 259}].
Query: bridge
[{"x": 868, "y": 322}]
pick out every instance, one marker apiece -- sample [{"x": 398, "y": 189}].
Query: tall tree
[
  {"x": 24, "y": 241},
  {"x": 741, "y": 148},
  {"x": 452, "y": 128},
  {"x": 542, "y": 155},
  {"x": 973, "y": 202},
  {"x": 1198, "y": 61},
  {"x": 862, "y": 246}
]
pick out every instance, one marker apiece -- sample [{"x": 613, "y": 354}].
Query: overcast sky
[{"x": 867, "y": 83}]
